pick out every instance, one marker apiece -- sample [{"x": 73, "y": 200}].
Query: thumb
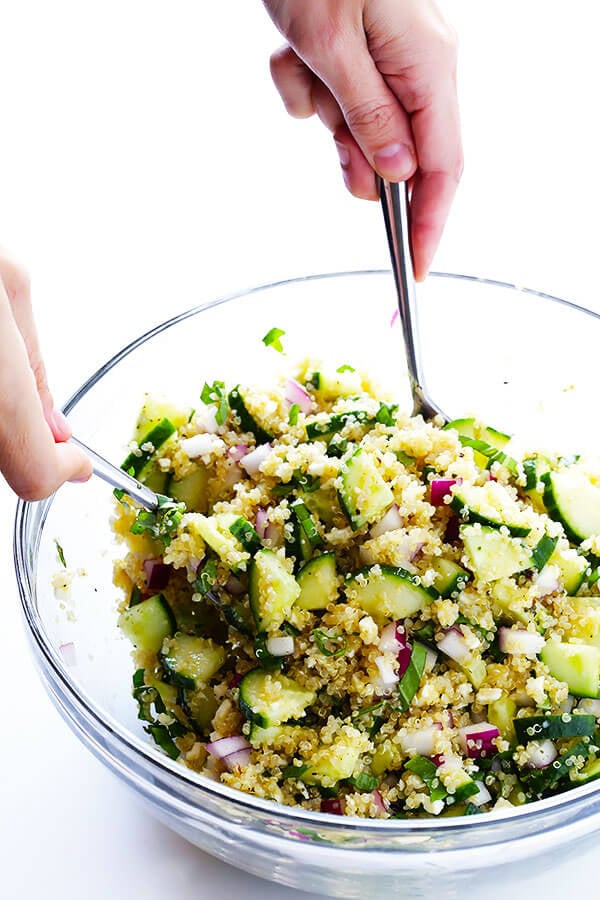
[{"x": 374, "y": 116}]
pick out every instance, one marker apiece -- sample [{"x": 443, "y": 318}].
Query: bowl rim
[{"x": 26, "y": 510}]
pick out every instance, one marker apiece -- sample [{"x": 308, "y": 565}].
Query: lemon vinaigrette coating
[{"x": 340, "y": 607}]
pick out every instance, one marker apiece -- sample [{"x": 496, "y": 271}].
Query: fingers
[
  {"x": 30, "y": 459},
  {"x": 294, "y": 81}
]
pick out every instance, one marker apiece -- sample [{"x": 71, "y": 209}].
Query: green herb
[
  {"x": 324, "y": 641},
  {"x": 266, "y": 659},
  {"x": 119, "y": 493},
  {"x": 471, "y": 810},
  {"x": 543, "y": 550},
  {"x": 299, "y": 481},
  {"x": 215, "y": 393},
  {"x": 294, "y": 771},
  {"x": 425, "y": 633},
  {"x": 61, "y": 554},
  {"x": 385, "y": 413},
  {"x": 530, "y": 470},
  {"x": 146, "y": 697},
  {"x": 376, "y": 726},
  {"x": 542, "y": 780},
  {"x": 246, "y": 535},
  {"x": 337, "y": 446},
  {"x": 191, "y": 415},
  {"x": 410, "y": 681},
  {"x": 273, "y": 339},
  {"x": 427, "y": 772},
  {"x": 404, "y": 458},
  {"x": 161, "y": 523},
  {"x": 207, "y": 578},
  {"x": 290, "y": 629},
  {"x": 346, "y": 368},
  {"x": 314, "y": 381},
  {"x": 364, "y": 782},
  {"x": 293, "y": 414},
  {"x": 161, "y": 735}
]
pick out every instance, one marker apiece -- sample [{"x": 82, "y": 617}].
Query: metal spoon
[
  {"x": 117, "y": 478},
  {"x": 394, "y": 202}
]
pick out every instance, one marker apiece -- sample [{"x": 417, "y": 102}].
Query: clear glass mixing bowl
[{"x": 519, "y": 358}]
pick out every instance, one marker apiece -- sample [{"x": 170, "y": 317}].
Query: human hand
[
  {"x": 381, "y": 75},
  {"x": 34, "y": 456}
]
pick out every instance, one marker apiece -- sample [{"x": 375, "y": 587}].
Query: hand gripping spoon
[{"x": 394, "y": 202}]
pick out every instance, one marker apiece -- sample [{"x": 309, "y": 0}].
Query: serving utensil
[
  {"x": 394, "y": 202},
  {"x": 119, "y": 479}
]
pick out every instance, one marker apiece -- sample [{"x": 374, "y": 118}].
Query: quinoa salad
[{"x": 341, "y": 607}]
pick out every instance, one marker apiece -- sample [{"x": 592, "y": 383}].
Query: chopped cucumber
[
  {"x": 576, "y": 664},
  {"x": 148, "y": 623},
  {"x": 200, "y": 705},
  {"x": 334, "y": 762},
  {"x": 364, "y": 494},
  {"x": 137, "y": 463},
  {"x": 572, "y": 499},
  {"x": 325, "y": 430},
  {"x": 248, "y": 423},
  {"x": 268, "y": 737},
  {"x": 589, "y": 772},
  {"x": 272, "y": 590},
  {"x": 154, "y": 411},
  {"x": 501, "y": 714},
  {"x": 538, "y": 728},
  {"x": 191, "y": 661},
  {"x": 388, "y": 592},
  {"x": 332, "y": 385},
  {"x": 191, "y": 490},
  {"x": 246, "y": 534},
  {"x": 216, "y": 531},
  {"x": 489, "y": 504},
  {"x": 572, "y": 568},
  {"x": 490, "y": 554},
  {"x": 318, "y": 583},
  {"x": 450, "y": 577},
  {"x": 270, "y": 698},
  {"x": 586, "y": 627},
  {"x": 487, "y": 437}
]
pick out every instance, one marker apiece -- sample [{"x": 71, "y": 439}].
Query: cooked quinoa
[{"x": 344, "y": 608}]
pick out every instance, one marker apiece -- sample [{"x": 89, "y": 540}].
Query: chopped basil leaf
[
  {"x": 404, "y": 458},
  {"x": 346, "y": 368},
  {"x": 266, "y": 659},
  {"x": 191, "y": 415},
  {"x": 543, "y": 551},
  {"x": 364, "y": 782},
  {"x": 324, "y": 640},
  {"x": 207, "y": 578},
  {"x": 293, "y": 416},
  {"x": 410, "y": 681},
  {"x": 294, "y": 771},
  {"x": 273, "y": 339},
  {"x": 161, "y": 523},
  {"x": 136, "y": 596},
  {"x": 216, "y": 393},
  {"x": 427, "y": 772},
  {"x": 385, "y": 413},
  {"x": 60, "y": 553}
]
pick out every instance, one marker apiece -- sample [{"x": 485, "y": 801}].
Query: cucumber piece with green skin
[
  {"x": 216, "y": 531},
  {"x": 364, "y": 495},
  {"x": 586, "y": 627},
  {"x": 386, "y": 592},
  {"x": 589, "y": 772},
  {"x": 200, "y": 706},
  {"x": 153, "y": 411},
  {"x": 297, "y": 545},
  {"x": 572, "y": 568},
  {"x": 333, "y": 762},
  {"x": 136, "y": 463},
  {"x": 489, "y": 504},
  {"x": 191, "y": 661},
  {"x": 331, "y": 385},
  {"x": 248, "y": 423},
  {"x": 148, "y": 623},
  {"x": 191, "y": 490},
  {"x": 501, "y": 713},
  {"x": 491, "y": 554},
  {"x": 318, "y": 582},
  {"x": 474, "y": 430},
  {"x": 272, "y": 591},
  {"x": 450, "y": 577},
  {"x": 305, "y": 521},
  {"x": 573, "y": 500},
  {"x": 246, "y": 534},
  {"x": 540, "y": 728},
  {"x": 576, "y": 664},
  {"x": 269, "y": 737},
  {"x": 270, "y": 698}
]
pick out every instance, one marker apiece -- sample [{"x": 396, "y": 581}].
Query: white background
[{"x": 146, "y": 165}]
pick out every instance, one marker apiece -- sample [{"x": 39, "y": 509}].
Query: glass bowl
[{"x": 518, "y": 358}]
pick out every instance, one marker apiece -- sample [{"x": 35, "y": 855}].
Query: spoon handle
[
  {"x": 394, "y": 202},
  {"x": 117, "y": 478}
]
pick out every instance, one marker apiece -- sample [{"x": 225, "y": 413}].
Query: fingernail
[
  {"x": 80, "y": 480},
  {"x": 61, "y": 426},
  {"x": 343, "y": 153},
  {"x": 395, "y": 162}
]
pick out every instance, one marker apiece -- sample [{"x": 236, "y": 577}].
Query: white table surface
[{"x": 146, "y": 165}]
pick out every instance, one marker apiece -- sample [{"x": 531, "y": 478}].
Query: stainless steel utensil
[
  {"x": 117, "y": 478},
  {"x": 394, "y": 202}
]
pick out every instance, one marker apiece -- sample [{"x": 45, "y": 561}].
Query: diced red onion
[
  {"x": 391, "y": 521},
  {"x": 482, "y": 796},
  {"x": 235, "y": 680},
  {"x": 378, "y": 801},
  {"x": 588, "y": 706},
  {"x": 235, "y": 586},
  {"x": 388, "y": 640},
  {"x": 540, "y": 754},
  {"x": 240, "y": 758},
  {"x": 281, "y": 646},
  {"x": 274, "y": 534},
  {"x": 547, "y": 581},
  {"x": 452, "y": 530},
  {"x": 68, "y": 653},
  {"x": 437, "y": 759},
  {"x": 454, "y": 645},
  {"x": 421, "y": 741},
  {"x": 237, "y": 452},
  {"x": 226, "y": 746},
  {"x": 260, "y": 522},
  {"x": 394, "y": 317},
  {"x": 394, "y": 639},
  {"x": 478, "y": 740},
  {"x": 157, "y": 574},
  {"x": 440, "y": 488},
  {"x": 388, "y": 677},
  {"x": 334, "y": 805},
  {"x": 430, "y": 659},
  {"x": 295, "y": 393},
  {"x": 253, "y": 461},
  {"x": 520, "y": 642}
]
